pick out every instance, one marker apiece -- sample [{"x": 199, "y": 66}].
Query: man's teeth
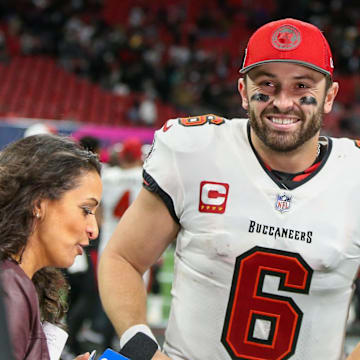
[{"x": 283, "y": 121}]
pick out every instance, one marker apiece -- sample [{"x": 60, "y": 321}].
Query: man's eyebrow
[
  {"x": 305, "y": 77},
  {"x": 257, "y": 73}
]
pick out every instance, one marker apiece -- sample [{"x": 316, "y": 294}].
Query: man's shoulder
[
  {"x": 346, "y": 146},
  {"x": 196, "y": 132}
]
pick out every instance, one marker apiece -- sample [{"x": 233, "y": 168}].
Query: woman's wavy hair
[{"x": 32, "y": 169}]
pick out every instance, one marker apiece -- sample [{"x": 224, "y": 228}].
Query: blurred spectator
[
  {"x": 82, "y": 299},
  {"x": 133, "y": 114},
  {"x": 148, "y": 111},
  {"x": 183, "y": 53},
  {"x": 40, "y": 128},
  {"x": 91, "y": 143},
  {"x": 349, "y": 124},
  {"x": 121, "y": 185},
  {"x": 4, "y": 55}
]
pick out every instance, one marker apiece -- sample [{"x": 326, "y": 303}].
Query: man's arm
[{"x": 142, "y": 235}]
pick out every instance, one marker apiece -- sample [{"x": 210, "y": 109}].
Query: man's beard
[{"x": 282, "y": 141}]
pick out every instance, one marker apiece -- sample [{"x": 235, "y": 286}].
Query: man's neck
[{"x": 289, "y": 162}]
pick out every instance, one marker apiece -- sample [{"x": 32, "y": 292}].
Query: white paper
[
  {"x": 55, "y": 338},
  {"x": 80, "y": 264}
]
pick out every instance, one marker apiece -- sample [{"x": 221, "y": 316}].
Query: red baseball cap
[
  {"x": 289, "y": 40},
  {"x": 131, "y": 150}
]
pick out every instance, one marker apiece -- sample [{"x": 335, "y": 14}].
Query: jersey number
[
  {"x": 258, "y": 324},
  {"x": 122, "y": 204},
  {"x": 201, "y": 120}
]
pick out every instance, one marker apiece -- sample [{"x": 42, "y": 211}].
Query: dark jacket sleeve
[{"x": 21, "y": 302}]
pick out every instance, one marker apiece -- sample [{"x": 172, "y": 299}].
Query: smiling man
[
  {"x": 287, "y": 87},
  {"x": 267, "y": 233},
  {"x": 286, "y": 103}
]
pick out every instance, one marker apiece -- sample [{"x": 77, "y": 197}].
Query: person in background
[
  {"x": 40, "y": 128},
  {"x": 265, "y": 213},
  {"x": 121, "y": 186},
  {"x": 91, "y": 143},
  {"x": 49, "y": 191}
]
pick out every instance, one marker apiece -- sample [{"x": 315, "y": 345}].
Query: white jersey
[
  {"x": 120, "y": 188},
  {"x": 261, "y": 272}
]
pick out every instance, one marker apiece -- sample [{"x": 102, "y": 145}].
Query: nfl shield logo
[{"x": 283, "y": 202}]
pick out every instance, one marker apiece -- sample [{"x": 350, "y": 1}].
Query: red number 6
[{"x": 249, "y": 304}]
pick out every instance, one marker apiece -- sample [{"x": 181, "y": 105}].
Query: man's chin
[{"x": 282, "y": 144}]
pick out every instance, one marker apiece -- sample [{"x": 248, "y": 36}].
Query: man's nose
[{"x": 283, "y": 101}]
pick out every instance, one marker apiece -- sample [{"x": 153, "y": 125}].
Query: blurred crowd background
[
  {"x": 106, "y": 70},
  {"x": 151, "y": 60}
]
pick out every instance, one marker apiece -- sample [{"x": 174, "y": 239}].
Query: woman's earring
[{"x": 38, "y": 215}]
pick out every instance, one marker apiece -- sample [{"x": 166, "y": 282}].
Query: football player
[{"x": 268, "y": 233}]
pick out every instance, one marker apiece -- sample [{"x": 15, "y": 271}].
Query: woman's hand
[
  {"x": 355, "y": 355},
  {"x": 160, "y": 356},
  {"x": 83, "y": 356}
]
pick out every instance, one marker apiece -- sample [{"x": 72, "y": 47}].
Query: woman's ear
[{"x": 39, "y": 209}]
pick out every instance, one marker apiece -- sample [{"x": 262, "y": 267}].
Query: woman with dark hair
[{"x": 49, "y": 191}]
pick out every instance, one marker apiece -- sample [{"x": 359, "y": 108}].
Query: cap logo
[{"x": 286, "y": 37}]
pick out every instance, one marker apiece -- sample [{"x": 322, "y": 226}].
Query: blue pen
[{"x": 92, "y": 355}]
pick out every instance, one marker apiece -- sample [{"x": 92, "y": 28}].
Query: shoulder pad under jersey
[{"x": 190, "y": 133}]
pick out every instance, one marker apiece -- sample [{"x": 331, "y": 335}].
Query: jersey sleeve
[{"x": 179, "y": 148}]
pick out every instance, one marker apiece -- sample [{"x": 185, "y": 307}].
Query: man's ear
[
  {"x": 330, "y": 97},
  {"x": 242, "y": 91}
]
